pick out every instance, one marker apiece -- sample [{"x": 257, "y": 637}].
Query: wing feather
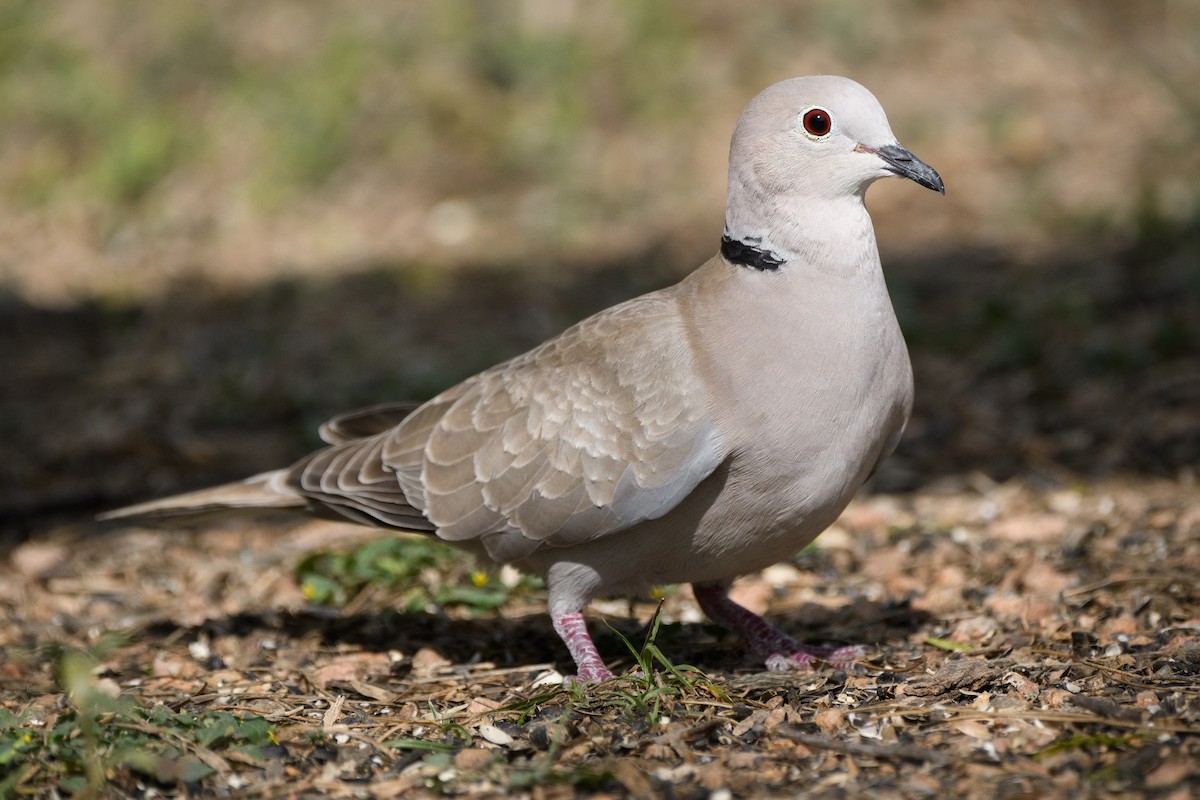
[
  {"x": 594, "y": 431},
  {"x": 363, "y": 422}
]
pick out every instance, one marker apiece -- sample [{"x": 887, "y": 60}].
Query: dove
[{"x": 690, "y": 435}]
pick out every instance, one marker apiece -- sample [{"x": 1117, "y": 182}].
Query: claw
[
  {"x": 588, "y": 677},
  {"x": 805, "y": 657},
  {"x": 781, "y": 652}
]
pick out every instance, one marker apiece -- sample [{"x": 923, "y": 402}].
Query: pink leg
[
  {"x": 573, "y": 631},
  {"x": 780, "y": 651}
]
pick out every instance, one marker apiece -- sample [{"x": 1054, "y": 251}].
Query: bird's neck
[{"x": 833, "y": 236}]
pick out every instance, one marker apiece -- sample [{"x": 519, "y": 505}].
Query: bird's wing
[
  {"x": 350, "y": 478},
  {"x": 364, "y": 422},
  {"x": 594, "y": 431}
]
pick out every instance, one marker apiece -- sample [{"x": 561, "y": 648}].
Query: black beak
[{"x": 906, "y": 165}]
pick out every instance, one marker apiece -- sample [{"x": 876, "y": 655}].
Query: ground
[
  {"x": 222, "y": 223},
  {"x": 1022, "y": 639}
]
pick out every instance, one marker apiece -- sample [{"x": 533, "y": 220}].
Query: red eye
[{"x": 817, "y": 121}]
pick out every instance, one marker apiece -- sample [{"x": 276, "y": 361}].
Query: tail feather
[{"x": 266, "y": 491}]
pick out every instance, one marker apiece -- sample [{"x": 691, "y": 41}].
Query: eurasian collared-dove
[{"x": 690, "y": 435}]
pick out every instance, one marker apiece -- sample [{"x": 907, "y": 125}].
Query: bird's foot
[
  {"x": 780, "y": 651},
  {"x": 806, "y": 657},
  {"x": 588, "y": 676},
  {"x": 573, "y": 631}
]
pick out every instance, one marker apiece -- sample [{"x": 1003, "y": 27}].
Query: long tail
[{"x": 266, "y": 491}]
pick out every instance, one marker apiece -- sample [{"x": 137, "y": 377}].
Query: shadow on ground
[{"x": 516, "y": 642}]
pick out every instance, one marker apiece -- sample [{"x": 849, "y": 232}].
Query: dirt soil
[{"x": 1023, "y": 639}]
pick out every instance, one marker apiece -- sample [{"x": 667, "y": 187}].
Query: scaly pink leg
[
  {"x": 780, "y": 651},
  {"x": 573, "y": 631}
]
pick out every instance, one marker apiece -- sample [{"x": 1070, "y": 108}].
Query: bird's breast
[{"x": 817, "y": 387}]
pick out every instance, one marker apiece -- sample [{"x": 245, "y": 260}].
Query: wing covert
[{"x": 592, "y": 432}]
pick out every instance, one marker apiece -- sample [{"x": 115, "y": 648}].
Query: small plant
[
  {"x": 79, "y": 749},
  {"x": 408, "y": 743},
  {"x": 1091, "y": 741},
  {"x": 656, "y": 686},
  {"x": 424, "y": 571},
  {"x": 948, "y": 644},
  {"x": 658, "y": 681}
]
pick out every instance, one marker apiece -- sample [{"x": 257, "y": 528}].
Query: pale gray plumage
[{"x": 690, "y": 435}]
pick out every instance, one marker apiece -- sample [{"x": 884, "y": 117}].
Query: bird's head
[{"x": 819, "y": 137}]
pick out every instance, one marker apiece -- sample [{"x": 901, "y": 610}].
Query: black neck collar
[{"x": 750, "y": 253}]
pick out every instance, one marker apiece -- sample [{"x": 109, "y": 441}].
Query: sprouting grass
[
  {"x": 422, "y": 570},
  {"x": 655, "y": 689},
  {"x": 423, "y": 744},
  {"x": 79, "y": 749},
  {"x": 658, "y": 683},
  {"x": 948, "y": 644},
  {"x": 1090, "y": 741}
]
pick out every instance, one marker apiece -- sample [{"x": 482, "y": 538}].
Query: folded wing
[{"x": 589, "y": 434}]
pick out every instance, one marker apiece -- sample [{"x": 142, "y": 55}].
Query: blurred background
[{"x": 222, "y": 222}]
